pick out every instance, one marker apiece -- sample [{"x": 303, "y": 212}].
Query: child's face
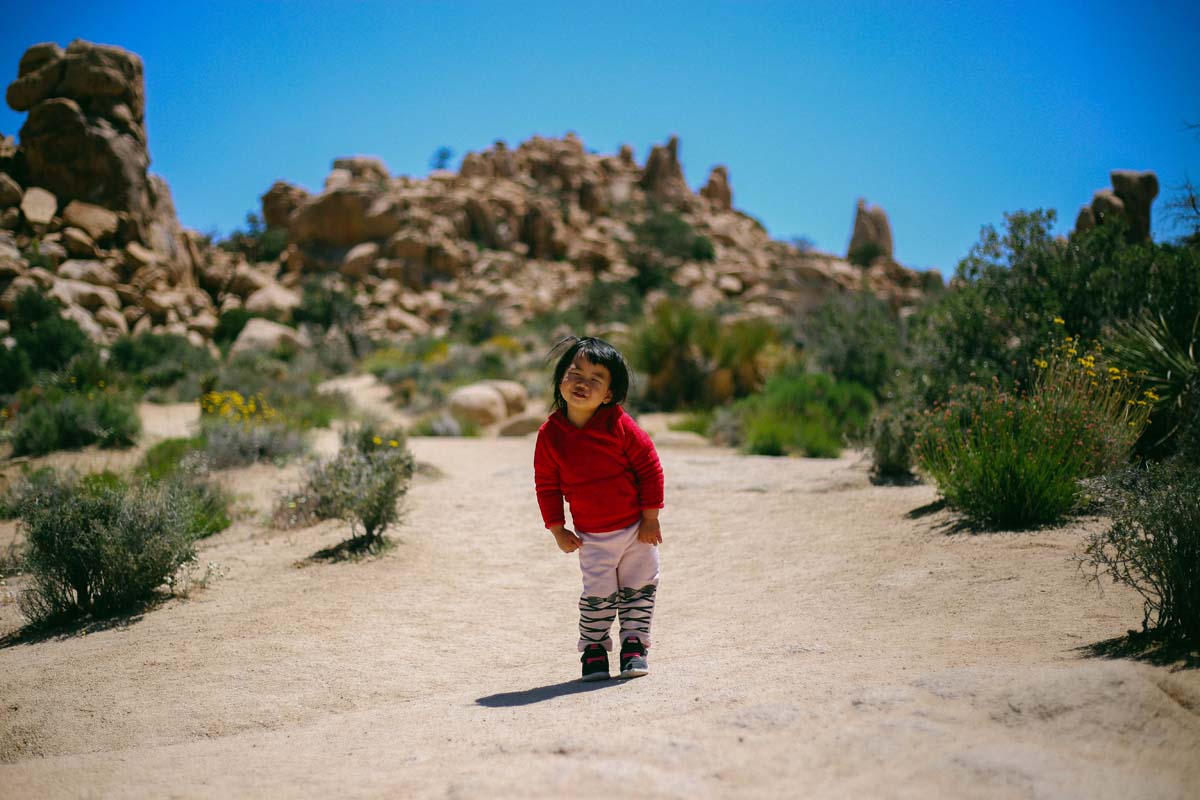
[{"x": 585, "y": 386}]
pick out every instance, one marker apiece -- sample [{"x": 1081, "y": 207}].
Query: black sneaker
[
  {"x": 595, "y": 663},
  {"x": 633, "y": 659}
]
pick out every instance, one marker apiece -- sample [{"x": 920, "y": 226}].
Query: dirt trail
[{"x": 813, "y": 639}]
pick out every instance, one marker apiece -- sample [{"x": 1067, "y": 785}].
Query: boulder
[
  {"x": 273, "y": 299},
  {"x": 52, "y": 251},
  {"x": 112, "y": 319},
  {"x": 1106, "y": 206},
  {"x": 337, "y": 217},
  {"x": 78, "y": 243},
  {"x": 38, "y": 206},
  {"x": 92, "y": 272},
  {"x": 359, "y": 259},
  {"x": 262, "y": 334},
  {"x": 872, "y": 233},
  {"x": 522, "y": 425},
  {"x": 479, "y": 404},
  {"x": 98, "y": 222},
  {"x": 86, "y": 322},
  {"x": 70, "y": 292},
  {"x": 363, "y": 168},
  {"x": 1137, "y": 191},
  {"x": 205, "y": 323},
  {"x": 10, "y": 191},
  {"x": 396, "y": 319},
  {"x": 717, "y": 190},
  {"x": 514, "y": 394},
  {"x": 662, "y": 177},
  {"x": 280, "y": 201}
]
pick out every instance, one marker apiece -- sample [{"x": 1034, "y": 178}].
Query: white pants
[{"x": 620, "y": 574}]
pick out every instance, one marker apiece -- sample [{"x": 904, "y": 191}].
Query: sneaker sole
[
  {"x": 635, "y": 672},
  {"x": 599, "y": 676}
]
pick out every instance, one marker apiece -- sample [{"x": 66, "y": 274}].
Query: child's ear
[{"x": 608, "y": 397}]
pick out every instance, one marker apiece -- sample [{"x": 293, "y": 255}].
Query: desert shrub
[
  {"x": 100, "y": 549},
  {"x": 16, "y": 371},
  {"x": 1011, "y": 287},
  {"x": 164, "y": 459},
  {"x": 669, "y": 234},
  {"x": 692, "y": 359},
  {"x": 1153, "y": 543},
  {"x": 423, "y": 372},
  {"x": 801, "y": 413},
  {"x": 1009, "y": 459},
  {"x": 47, "y": 340},
  {"x": 855, "y": 337},
  {"x": 256, "y": 241},
  {"x": 231, "y": 322},
  {"x": 28, "y": 483},
  {"x": 237, "y": 444},
  {"x": 865, "y": 254},
  {"x": 695, "y": 422},
  {"x": 363, "y": 485},
  {"x": 206, "y": 504},
  {"x": 291, "y": 385},
  {"x": 325, "y": 306},
  {"x": 53, "y": 419},
  {"x": 159, "y": 359},
  {"x": 892, "y": 435}
]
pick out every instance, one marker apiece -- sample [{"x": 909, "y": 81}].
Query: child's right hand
[{"x": 566, "y": 539}]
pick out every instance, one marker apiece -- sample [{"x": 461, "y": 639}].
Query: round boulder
[{"x": 479, "y": 404}]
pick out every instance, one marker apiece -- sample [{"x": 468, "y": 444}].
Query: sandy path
[{"x": 811, "y": 640}]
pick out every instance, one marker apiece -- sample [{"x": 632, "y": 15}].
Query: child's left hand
[{"x": 650, "y": 532}]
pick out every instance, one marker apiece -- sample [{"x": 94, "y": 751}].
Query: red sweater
[{"x": 608, "y": 471}]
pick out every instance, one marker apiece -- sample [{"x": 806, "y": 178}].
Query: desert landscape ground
[{"x": 816, "y": 636}]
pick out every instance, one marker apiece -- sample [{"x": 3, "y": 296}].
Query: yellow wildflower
[
  {"x": 377, "y": 440},
  {"x": 393, "y": 443}
]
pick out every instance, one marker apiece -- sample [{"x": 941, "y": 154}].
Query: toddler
[{"x": 592, "y": 453}]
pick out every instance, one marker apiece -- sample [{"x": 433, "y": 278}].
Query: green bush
[
  {"x": 163, "y": 460},
  {"x": 893, "y": 435},
  {"x": 1153, "y": 543},
  {"x": 291, "y": 385},
  {"x": 802, "y": 413},
  {"x": 856, "y": 338},
  {"x": 101, "y": 549},
  {"x": 693, "y": 359},
  {"x": 231, "y": 322},
  {"x": 159, "y": 360},
  {"x": 238, "y": 444},
  {"x": 47, "y": 340},
  {"x": 1010, "y": 460},
  {"x": 362, "y": 485},
  {"x": 53, "y": 419},
  {"x": 16, "y": 371},
  {"x": 28, "y": 483},
  {"x": 669, "y": 234}
]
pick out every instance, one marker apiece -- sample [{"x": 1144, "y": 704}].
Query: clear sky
[{"x": 947, "y": 114}]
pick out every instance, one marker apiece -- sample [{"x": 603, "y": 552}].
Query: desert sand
[{"x": 816, "y": 636}]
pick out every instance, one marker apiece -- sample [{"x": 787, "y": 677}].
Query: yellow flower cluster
[
  {"x": 232, "y": 406},
  {"x": 378, "y": 440}
]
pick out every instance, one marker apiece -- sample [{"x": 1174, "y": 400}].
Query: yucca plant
[{"x": 1166, "y": 365}]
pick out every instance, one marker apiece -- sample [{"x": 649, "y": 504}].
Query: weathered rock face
[
  {"x": 872, "y": 232},
  {"x": 717, "y": 188},
  {"x": 280, "y": 201},
  {"x": 1130, "y": 200},
  {"x": 85, "y": 136},
  {"x": 663, "y": 176}
]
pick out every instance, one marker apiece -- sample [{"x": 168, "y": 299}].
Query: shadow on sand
[
  {"x": 1149, "y": 647},
  {"x": 529, "y": 696},
  {"x": 69, "y": 629}
]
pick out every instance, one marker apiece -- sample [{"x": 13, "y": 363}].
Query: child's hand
[
  {"x": 566, "y": 539},
  {"x": 650, "y": 531}
]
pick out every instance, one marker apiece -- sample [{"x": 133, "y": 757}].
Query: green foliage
[
  {"x": 1153, "y": 543},
  {"x": 423, "y": 372},
  {"x": 696, "y": 422},
  {"x": 856, "y": 338},
  {"x": 163, "y": 459},
  {"x": 28, "y": 483},
  {"x": 159, "y": 360},
  {"x": 865, "y": 254},
  {"x": 692, "y": 359},
  {"x": 291, "y": 385},
  {"x": 326, "y": 307},
  {"x": 1011, "y": 287},
  {"x": 256, "y": 242},
  {"x": 16, "y": 371},
  {"x": 99, "y": 549},
  {"x": 238, "y": 444},
  {"x": 231, "y": 322},
  {"x": 1009, "y": 460},
  {"x": 893, "y": 435},
  {"x": 54, "y": 419},
  {"x": 47, "y": 340},
  {"x": 362, "y": 485},
  {"x": 801, "y": 413},
  {"x": 441, "y": 158},
  {"x": 669, "y": 234}
]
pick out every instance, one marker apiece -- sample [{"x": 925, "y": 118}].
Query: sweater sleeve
[
  {"x": 646, "y": 466},
  {"x": 547, "y": 483}
]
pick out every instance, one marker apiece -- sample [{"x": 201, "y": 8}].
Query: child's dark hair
[{"x": 598, "y": 352}]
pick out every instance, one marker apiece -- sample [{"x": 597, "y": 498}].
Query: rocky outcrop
[
  {"x": 716, "y": 190},
  {"x": 1129, "y": 200},
  {"x": 871, "y": 236},
  {"x": 663, "y": 176}
]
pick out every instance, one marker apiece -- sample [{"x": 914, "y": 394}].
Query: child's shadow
[{"x": 528, "y": 696}]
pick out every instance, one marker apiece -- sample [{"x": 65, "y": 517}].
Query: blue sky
[{"x": 946, "y": 114}]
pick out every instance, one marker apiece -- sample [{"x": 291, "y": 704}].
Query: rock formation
[
  {"x": 1130, "y": 200},
  {"x": 871, "y": 236},
  {"x": 516, "y": 232}
]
